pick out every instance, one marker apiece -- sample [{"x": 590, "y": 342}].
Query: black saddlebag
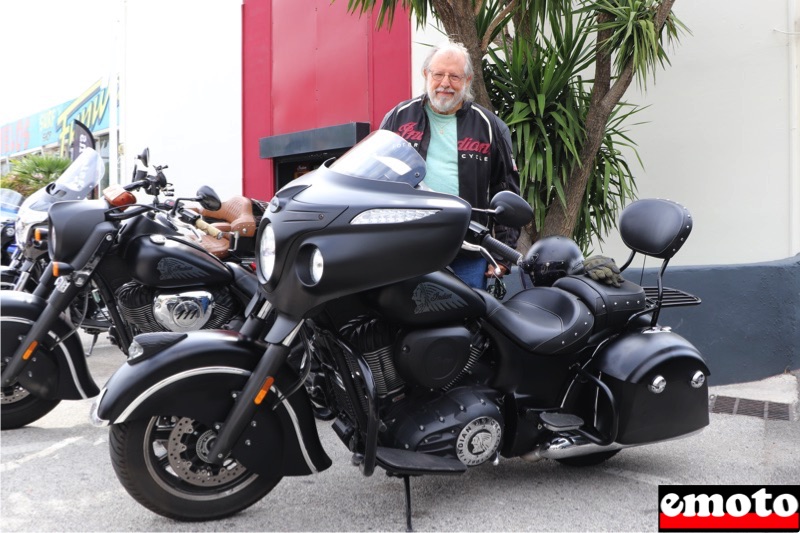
[{"x": 659, "y": 382}]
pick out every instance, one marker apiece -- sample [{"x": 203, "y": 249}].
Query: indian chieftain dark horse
[{"x": 424, "y": 374}]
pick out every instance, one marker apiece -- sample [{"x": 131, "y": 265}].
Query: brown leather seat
[{"x": 237, "y": 212}]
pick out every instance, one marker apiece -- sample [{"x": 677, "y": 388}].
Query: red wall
[{"x": 310, "y": 64}]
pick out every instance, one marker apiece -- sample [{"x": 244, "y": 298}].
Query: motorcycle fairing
[
  {"x": 357, "y": 257},
  {"x": 60, "y": 373},
  {"x": 189, "y": 377}
]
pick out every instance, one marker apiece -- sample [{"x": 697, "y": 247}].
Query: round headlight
[
  {"x": 316, "y": 266},
  {"x": 266, "y": 252}
]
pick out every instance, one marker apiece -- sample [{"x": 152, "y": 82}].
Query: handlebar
[
  {"x": 501, "y": 249},
  {"x": 202, "y": 225}
]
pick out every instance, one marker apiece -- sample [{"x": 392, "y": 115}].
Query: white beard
[{"x": 445, "y": 104}]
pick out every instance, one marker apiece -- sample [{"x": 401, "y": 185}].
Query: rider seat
[{"x": 543, "y": 320}]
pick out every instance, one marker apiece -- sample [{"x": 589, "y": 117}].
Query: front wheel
[
  {"x": 20, "y": 408},
  {"x": 162, "y": 463}
]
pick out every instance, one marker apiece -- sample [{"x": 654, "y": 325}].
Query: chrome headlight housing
[
  {"x": 266, "y": 252},
  {"x": 27, "y": 218}
]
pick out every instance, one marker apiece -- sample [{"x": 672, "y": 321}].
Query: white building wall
[
  {"x": 180, "y": 94},
  {"x": 721, "y": 132}
]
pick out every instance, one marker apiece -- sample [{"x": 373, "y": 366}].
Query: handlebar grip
[
  {"x": 202, "y": 225},
  {"x": 501, "y": 249}
]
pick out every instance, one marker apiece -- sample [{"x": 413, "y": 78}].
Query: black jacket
[{"x": 485, "y": 159}]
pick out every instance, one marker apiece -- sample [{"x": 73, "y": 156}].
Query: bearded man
[{"x": 467, "y": 148}]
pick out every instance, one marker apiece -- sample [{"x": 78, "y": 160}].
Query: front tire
[
  {"x": 20, "y": 408},
  {"x": 160, "y": 462}
]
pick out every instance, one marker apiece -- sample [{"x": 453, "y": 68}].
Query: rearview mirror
[
  {"x": 208, "y": 198},
  {"x": 144, "y": 157},
  {"x": 510, "y": 209}
]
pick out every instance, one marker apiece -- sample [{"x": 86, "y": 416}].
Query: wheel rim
[
  {"x": 13, "y": 394},
  {"x": 176, "y": 453}
]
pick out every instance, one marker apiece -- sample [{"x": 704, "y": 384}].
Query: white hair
[{"x": 456, "y": 48}]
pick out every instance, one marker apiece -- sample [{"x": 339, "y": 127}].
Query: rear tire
[
  {"x": 592, "y": 459},
  {"x": 159, "y": 461}
]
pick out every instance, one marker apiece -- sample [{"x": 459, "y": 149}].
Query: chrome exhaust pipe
[{"x": 563, "y": 447}]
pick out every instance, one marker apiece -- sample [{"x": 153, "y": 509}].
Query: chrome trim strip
[
  {"x": 209, "y": 370},
  {"x": 174, "y": 379},
  {"x": 296, "y": 425},
  {"x": 59, "y": 344}
]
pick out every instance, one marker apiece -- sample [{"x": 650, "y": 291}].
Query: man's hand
[
  {"x": 491, "y": 272},
  {"x": 603, "y": 269}
]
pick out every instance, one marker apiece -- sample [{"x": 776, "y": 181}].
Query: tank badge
[
  {"x": 431, "y": 297},
  {"x": 171, "y": 268},
  {"x": 478, "y": 441}
]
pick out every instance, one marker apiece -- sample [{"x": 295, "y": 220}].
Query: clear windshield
[
  {"x": 382, "y": 156},
  {"x": 76, "y": 183},
  {"x": 10, "y": 201}
]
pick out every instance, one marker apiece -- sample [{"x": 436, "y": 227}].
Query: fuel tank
[
  {"x": 170, "y": 262},
  {"x": 433, "y": 299}
]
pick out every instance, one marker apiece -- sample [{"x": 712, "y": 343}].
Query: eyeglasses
[{"x": 439, "y": 76}]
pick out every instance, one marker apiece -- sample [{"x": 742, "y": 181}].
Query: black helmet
[{"x": 552, "y": 258}]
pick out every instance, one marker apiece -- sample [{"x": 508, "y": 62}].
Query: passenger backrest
[{"x": 655, "y": 227}]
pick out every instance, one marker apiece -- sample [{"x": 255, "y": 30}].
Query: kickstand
[
  {"x": 407, "y": 483},
  {"x": 94, "y": 341}
]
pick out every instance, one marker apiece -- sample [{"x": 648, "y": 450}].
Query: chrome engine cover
[{"x": 185, "y": 311}]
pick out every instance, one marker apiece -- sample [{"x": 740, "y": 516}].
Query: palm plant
[
  {"x": 536, "y": 86},
  {"x": 33, "y": 172}
]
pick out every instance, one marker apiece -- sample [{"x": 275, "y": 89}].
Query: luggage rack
[{"x": 670, "y": 297}]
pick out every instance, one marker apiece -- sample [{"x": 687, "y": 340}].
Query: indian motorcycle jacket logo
[{"x": 468, "y": 148}]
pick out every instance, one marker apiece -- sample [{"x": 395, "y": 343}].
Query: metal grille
[
  {"x": 728, "y": 405},
  {"x": 670, "y": 297}
]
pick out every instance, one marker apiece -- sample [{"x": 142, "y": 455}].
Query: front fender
[
  {"x": 59, "y": 373},
  {"x": 199, "y": 375}
]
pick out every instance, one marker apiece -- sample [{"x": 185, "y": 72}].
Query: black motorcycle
[
  {"x": 424, "y": 374},
  {"x": 144, "y": 264},
  {"x": 10, "y": 201}
]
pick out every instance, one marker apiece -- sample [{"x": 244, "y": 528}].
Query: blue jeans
[{"x": 471, "y": 270}]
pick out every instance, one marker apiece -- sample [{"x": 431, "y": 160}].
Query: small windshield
[
  {"x": 382, "y": 156},
  {"x": 76, "y": 183}
]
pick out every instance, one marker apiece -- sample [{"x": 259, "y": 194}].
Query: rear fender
[
  {"x": 199, "y": 375},
  {"x": 58, "y": 373}
]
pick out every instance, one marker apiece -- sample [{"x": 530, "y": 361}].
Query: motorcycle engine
[
  {"x": 148, "y": 310},
  {"x": 465, "y": 422},
  {"x": 420, "y": 378}
]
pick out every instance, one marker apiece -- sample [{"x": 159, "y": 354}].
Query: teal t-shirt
[{"x": 442, "y": 158}]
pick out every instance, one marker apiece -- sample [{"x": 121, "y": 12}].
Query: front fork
[
  {"x": 38, "y": 335},
  {"x": 257, "y": 386}
]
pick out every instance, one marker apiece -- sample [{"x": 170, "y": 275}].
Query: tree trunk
[{"x": 561, "y": 220}]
